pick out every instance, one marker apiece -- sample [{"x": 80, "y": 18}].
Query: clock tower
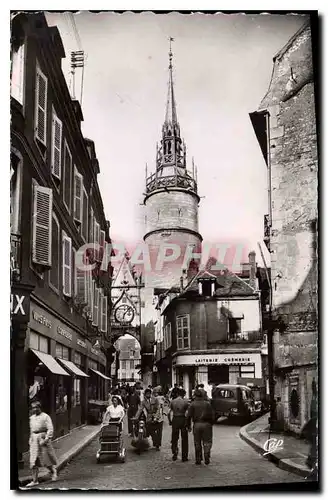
[{"x": 171, "y": 201}]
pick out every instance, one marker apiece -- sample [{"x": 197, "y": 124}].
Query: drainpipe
[{"x": 270, "y": 350}]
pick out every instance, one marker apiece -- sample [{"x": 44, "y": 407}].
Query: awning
[
  {"x": 50, "y": 363},
  {"x": 100, "y": 374},
  {"x": 73, "y": 368}
]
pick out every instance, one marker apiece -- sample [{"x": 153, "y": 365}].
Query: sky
[{"x": 222, "y": 69}]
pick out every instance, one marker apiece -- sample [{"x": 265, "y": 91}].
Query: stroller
[{"x": 111, "y": 440}]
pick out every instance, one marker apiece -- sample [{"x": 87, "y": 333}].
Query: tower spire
[{"x": 171, "y": 109}]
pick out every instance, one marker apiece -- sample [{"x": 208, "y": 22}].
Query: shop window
[
  {"x": 39, "y": 342},
  {"x": 62, "y": 352},
  {"x": 61, "y": 395},
  {"x": 78, "y": 359},
  {"x": 183, "y": 332},
  {"x": 123, "y": 364}
]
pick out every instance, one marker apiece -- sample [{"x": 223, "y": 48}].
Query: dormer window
[{"x": 206, "y": 287}]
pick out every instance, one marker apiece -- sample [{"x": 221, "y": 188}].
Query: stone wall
[{"x": 294, "y": 168}]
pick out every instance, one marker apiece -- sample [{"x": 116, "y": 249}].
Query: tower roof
[{"x": 171, "y": 108}]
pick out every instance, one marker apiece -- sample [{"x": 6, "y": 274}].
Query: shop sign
[
  {"x": 39, "y": 318},
  {"x": 64, "y": 333},
  {"x": 81, "y": 343},
  {"x": 18, "y": 305},
  {"x": 216, "y": 359},
  {"x": 94, "y": 351}
]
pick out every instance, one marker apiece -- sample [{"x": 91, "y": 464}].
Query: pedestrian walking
[
  {"x": 158, "y": 419},
  {"x": 201, "y": 414},
  {"x": 133, "y": 406},
  {"x": 115, "y": 410},
  {"x": 178, "y": 420},
  {"x": 150, "y": 408},
  {"x": 42, "y": 453},
  {"x": 175, "y": 391}
]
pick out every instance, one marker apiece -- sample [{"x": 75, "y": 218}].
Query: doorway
[{"x": 218, "y": 374}]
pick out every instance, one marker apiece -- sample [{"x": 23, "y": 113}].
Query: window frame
[
  {"x": 37, "y": 138},
  {"x": 55, "y": 119},
  {"x": 181, "y": 317},
  {"x": 21, "y": 66},
  {"x": 65, "y": 237}
]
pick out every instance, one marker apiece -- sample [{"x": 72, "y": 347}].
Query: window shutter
[
  {"x": 90, "y": 294},
  {"x": 73, "y": 273},
  {"x": 169, "y": 336},
  {"x": 95, "y": 306},
  {"x": 67, "y": 177},
  {"x": 85, "y": 215},
  {"x": 104, "y": 314},
  {"x": 42, "y": 226},
  {"x": 56, "y": 141},
  {"x": 82, "y": 283},
  {"x": 41, "y": 107},
  {"x": 77, "y": 196},
  {"x": 102, "y": 244},
  {"x": 67, "y": 265},
  {"x": 96, "y": 237}
]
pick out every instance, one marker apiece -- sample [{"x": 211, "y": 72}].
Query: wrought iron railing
[
  {"x": 15, "y": 257},
  {"x": 181, "y": 181}
]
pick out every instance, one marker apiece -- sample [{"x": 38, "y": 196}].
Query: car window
[{"x": 224, "y": 393}]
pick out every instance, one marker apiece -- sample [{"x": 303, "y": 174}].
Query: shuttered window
[
  {"x": 56, "y": 144},
  {"x": 18, "y": 73},
  {"x": 78, "y": 182},
  {"x": 90, "y": 294},
  {"x": 103, "y": 321},
  {"x": 67, "y": 265},
  {"x": 95, "y": 306},
  {"x": 81, "y": 279},
  {"x": 102, "y": 244},
  {"x": 73, "y": 294},
  {"x": 85, "y": 213},
  {"x": 42, "y": 226},
  {"x": 41, "y": 89},
  {"x": 55, "y": 251},
  {"x": 67, "y": 177},
  {"x": 96, "y": 238},
  {"x": 91, "y": 228}
]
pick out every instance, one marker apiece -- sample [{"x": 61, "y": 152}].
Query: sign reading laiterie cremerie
[{"x": 216, "y": 359}]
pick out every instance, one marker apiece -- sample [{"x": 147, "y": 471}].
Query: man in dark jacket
[
  {"x": 177, "y": 418},
  {"x": 133, "y": 406},
  {"x": 201, "y": 413}
]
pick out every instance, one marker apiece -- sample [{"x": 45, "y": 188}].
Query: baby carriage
[{"x": 111, "y": 440}]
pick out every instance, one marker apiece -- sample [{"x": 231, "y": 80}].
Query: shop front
[
  {"x": 215, "y": 368},
  {"x": 57, "y": 369},
  {"x": 98, "y": 389}
]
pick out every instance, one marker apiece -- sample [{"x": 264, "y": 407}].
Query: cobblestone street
[{"x": 233, "y": 463}]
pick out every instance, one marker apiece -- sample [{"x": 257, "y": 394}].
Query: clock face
[{"x": 124, "y": 314}]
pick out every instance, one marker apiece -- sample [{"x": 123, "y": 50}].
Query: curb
[
  {"x": 64, "y": 460},
  {"x": 283, "y": 463}
]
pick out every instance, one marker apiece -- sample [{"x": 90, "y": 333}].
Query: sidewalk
[
  {"x": 66, "y": 448},
  {"x": 292, "y": 454}
]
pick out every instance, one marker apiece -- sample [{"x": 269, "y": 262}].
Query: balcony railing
[
  {"x": 15, "y": 257},
  {"x": 181, "y": 181},
  {"x": 242, "y": 337}
]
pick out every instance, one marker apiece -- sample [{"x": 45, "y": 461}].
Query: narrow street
[{"x": 233, "y": 463}]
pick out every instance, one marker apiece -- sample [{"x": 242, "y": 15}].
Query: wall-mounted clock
[{"x": 124, "y": 314}]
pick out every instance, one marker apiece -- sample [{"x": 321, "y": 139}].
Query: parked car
[{"x": 235, "y": 400}]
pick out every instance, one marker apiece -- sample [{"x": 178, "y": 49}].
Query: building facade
[
  {"x": 59, "y": 310},
  {"x": 129, "y": 361},
  {"x": 285, "y": 126},
  {"x": 210, "y": 332}
]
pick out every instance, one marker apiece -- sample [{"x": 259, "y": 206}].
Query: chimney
[{"x": 252, "y": 272}]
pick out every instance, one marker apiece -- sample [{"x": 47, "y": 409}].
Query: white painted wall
[{"x": 250, "y": 309}]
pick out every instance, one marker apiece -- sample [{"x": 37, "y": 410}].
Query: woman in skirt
[{"x": 41, "y": 451}]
